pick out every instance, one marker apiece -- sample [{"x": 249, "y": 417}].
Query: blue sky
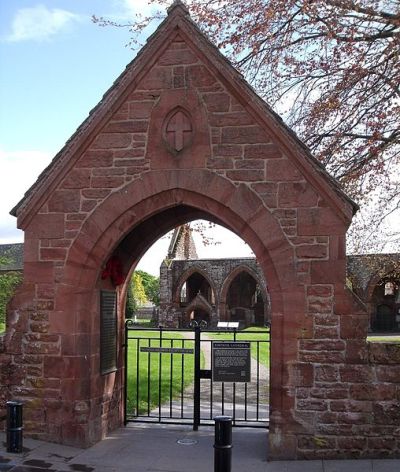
[{"x": 55, "y": 65}]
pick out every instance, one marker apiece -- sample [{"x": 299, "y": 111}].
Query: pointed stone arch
[
  {"x": 231, "y": 277},
  {"x": 184, "y": 277}
]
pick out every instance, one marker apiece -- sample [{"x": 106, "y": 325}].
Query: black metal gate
[{"x": 169, "y": 379}]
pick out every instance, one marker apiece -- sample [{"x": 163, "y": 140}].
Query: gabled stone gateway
[{"x": 181, "y": 136}]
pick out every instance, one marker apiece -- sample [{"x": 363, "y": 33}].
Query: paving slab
[{"x": 169, "y": 448}]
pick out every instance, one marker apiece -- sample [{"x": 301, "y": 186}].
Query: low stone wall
[{"x": 353, "y": 409}]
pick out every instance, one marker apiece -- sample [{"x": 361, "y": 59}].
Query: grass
[
  {"x": 384, "y": 339},
  {"x": 256, "y": 334},
  {"x": 150, "y": 385},
  {"x": 2, "y": 327}
]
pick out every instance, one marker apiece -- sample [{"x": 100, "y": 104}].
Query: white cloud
[
  {"x": 39, "y": 23},
  {"x": 19, "y": 170}
]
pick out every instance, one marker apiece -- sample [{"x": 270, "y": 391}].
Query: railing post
[
  {"x": 223, "y": 444},
  {"x": 196, "y": 400},
  {"x": 14, "y": 426}
]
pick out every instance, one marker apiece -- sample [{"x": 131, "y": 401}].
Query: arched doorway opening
[
  {"x": 385, "y": 301},
  {"x": 244, "y": 300}
]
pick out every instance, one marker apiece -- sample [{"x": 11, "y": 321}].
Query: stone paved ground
[{"x": 157, "y": 448}]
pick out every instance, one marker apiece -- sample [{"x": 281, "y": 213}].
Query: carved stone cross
[{"x": 178, "y": 131}]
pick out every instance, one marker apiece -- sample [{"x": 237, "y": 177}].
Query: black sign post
[{"x": 231, "y": 361}]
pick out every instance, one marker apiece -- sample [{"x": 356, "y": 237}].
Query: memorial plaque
[
  {"x": 108, "y": 331},
  {"x": 231, "y": 361}
]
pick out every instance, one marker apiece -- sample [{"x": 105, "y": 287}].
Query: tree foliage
[
  {"x": 143, "y": 287},
  {"x": 151, "y": 285},
  {"x": 332, "y": 69},
  {"x": 8, "y": 284}
]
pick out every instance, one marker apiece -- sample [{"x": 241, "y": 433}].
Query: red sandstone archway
[
  {"x": 117, "y": 186},
  {"x": 142, "y": 205}
]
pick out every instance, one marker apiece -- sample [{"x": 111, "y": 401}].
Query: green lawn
[
  {"x": 259, "y": 350},
  {"x": 385, "y": 339},
  {"x": 2, "y": 327},
  {"x": 157, "y": 378}
]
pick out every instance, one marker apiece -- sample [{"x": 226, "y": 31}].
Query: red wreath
[{"x": 114, "y": 270}]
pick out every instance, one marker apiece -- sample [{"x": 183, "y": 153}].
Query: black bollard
[
  {"x": 223, "y": 444},
  {"x": 14, "y": 426}
]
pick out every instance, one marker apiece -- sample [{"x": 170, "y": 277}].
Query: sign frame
[{"x": 231, "y": 361}]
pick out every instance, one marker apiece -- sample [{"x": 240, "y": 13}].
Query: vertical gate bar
[
  {"x": 234, "y": 403},
  {"x": 171, "y": 378},
  {"x": 223, "y": 398},
  {"x": 137, "y": 375},
  {"x": 196, "y": 403},
  {"x": 182, "y": 376},
  {"x": 148, "y": 378},
  {"x": 126, "y": 376},
  {"x": 159, "y": 377},
  {"x": 258, "y": 380},
  {"x": 211, "y": 385},
  {"x": 245, "y": 401}
]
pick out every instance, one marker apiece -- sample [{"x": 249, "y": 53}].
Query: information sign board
[
  {"x": 231, "y": 361},
  {"x": 168, "y": 350}
]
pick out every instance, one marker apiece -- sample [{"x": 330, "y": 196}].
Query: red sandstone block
[
  {"x": 320, "y": 290},
  {"x": 388, "y": 443},
  {"x": 296, "y": 194},
  {"x": 157, "y": 79},
  {"x": 354, "y": 418},
  {"x": 245, "y": 175},
  {"x": 322, "y": 345},
  {"x": 282, "y": 170},
  {"x": 262, "y": 151},
  {"x": 107, "y": 181},
  {"x": 249, "y": 164},
  {"x": 172, "y": 57},
  {"x": 301, "y": 240},
  {"x": 312, "y": 405},
  {"x": 356, "y": 351},
  {"x": 137, "y": 162},
  {"x": 140, "y": 110},
  {"x": 326, "y": 373},
  {"x": 388, "y": 373},
  {"x": 86, "y": 205},
  {"x": 325, "y": 272},
  {"x": 66, "y": 243},
  {"x": 53, "y": 254},
  {"x": 301, "y": 375},
  {"x": 130, "y": 126},
  {"x": 220, "y": 163},
  {"x": 64, "y": 201},
  {"x": 376, "y": 392},
  {"x": 351, "y": 442},
  {"x": 243, "y": 135},
  {"x": 77, "y": 178},
  {"x": 199, "y": 76},
  {"x": 41, "y": 348},
  {"x": 38, "y": 272},
  {"x": 319, "y": 221},
  {"x": 108, "y": 172},
  {"x": 326, "y": 332},
  {"x": 95, "y": 193},
  {"x": 387, "y": 412},
  {"x": 312, "y": 251},
  {"x": 122, "y": 112},
  {"x": 230, "y": 119},
  {"x": 319, "y": 305},
  {"x": 384, "y": 353},
  {"x": 354, "y": 327},
  {"x": 356, "y": 373},
  {"x": 112, "y": 140},
  {"x": 218, "y": 102},
  {"x": 359, "y": 406},
  {"x": 335, "y": 357},
  {"x": 99, "y": 158},
  {"x": 133, "y": 170},
  {"x": 225, "y": 150},
  {"x": 316, "y": 442}
]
